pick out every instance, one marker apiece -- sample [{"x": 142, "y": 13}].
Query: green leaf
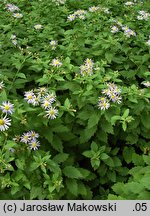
[
  {"x": 57, "y": 144},
  {"x": 67, "y": 103},
  {"x": 137, "y": 159},
  {"x": 114, "y": 119},
  {"x": 124, "y": 126},
  {"x": 127, "y": 154},
  {"x": 109, "y": 162},
  {"x": 94, "y": 146},
  {"x": 87, "y": 134},
  {"x": 20, "y": 163},
  {"x": 93, "y": 120},
  {"x": 146, "y": 159},
  {"x": 61, "y": 157},
  {"x": 126, "y": 113},
  {"x": 72, "y": 172},
  {"x": 21, "y": 75},
  {"x": 72, "y": 186},
  {"x": 34, "y": 166},
  {"x": 3, "y": 96},
  {"x": 145, "y": 181},
  {"x": 145, "y": 118},
  {"x": 104, "y": 156},
  {"x": 88, "y": 154},
  {"x": 95, "y": 163},
  {"x": 60, "y": 129}
]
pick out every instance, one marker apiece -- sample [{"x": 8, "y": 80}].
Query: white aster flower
[
  {"x": 80, "y": 12},
  {"x": 148, "y": 42},
  {"x": 114, "y": 29},
  {"x": 25, "y": 138},
  {"x": 71, "y": 17},
  {"x": 50, "y": 97},
  {"x": 29, "y": 96},
  {"x": 147, "y": 84},
  {"x": 53, "y": 43},
  {"x": 103, "y": 105},
  {"x": 35, "y": 101},
  {"x": 14, "y": 42},
  {"x": 38, "y": 26},
  {"x": 17, "y": 15},
  {"x": 46, "y": 104},
  {"x": 41, "y": 91},
  {"x": 2, "y": 85},
  {"x": 129, "y": 3},
  {"x": 52, "y": 113},
  {"x": 13, "y": 36},
  {"x": 93, "y": 8},
  {"x": 56, "y": 63},
  {"x": 34, "y": 144},
  {"x": 7, "y": 107},
  {"x": 33, "y": 134},
  {"x": 4, "y": 123},
  {"x": 81, "y": 17},
  {"x": 12, "y": 7},
  {"x": 129, "y": 33}
]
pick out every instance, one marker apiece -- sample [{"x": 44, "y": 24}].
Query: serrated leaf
[
  {"x": 114, "y": 119},
  {"x": 93, "y": 120},
  {"x": 94, "y": 146},
  {"x": 61, "y": 157},
  {"x": 21, "y": 75},
  {"x": 87, "y": 134},
  {"x": 104, "y": 156},
  {"x": 72, "y": 172},
  {"x": 126, "y": 113},
  {"x": 145, "y": 181},
  {"x": 57, "y": 144},
  {"x": 20, "y": 163},
  {"x": 127, "y": 154},
  {"x": 72, "y": 186},
  {"x": 87, "y": 154}
]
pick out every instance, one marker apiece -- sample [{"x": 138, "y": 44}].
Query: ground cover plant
[{"x": 74, "y": 99}]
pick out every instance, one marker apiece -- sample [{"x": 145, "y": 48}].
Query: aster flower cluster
[
  {"x": 77, "y": 14},
  {"x": 38, "y": 26},
  {"x": 143, "y": 15},
  {"x": 148, "y": 42},
  {"x": 14, "y": 39},
  {"x": 2, "y": 85},
  {"x": 93, "y": 8},
  {"x": 114, "y": 29},
  {"x": 129, "y": 3},
  {"x": 111, "y": 94},
  {"x": 53, "y": 44},
  {"x": 14, "y": 9},
  {"x": 87, "y": 67},
  {"x": 127, "y": 31},
  {"x": 59, "y": 2},
  {"x": 30, "y": 138},
  {"x": 56, "y": 62},
  {"x": 147, "y": 84},
  {"x": 6, "y": 109},
  {"x": 42, "y": 97}
]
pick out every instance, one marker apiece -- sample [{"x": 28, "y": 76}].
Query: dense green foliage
[{"x": 90, "y": 145}]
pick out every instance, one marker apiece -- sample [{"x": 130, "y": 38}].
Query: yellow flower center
[
  {"x": 56, "y": 62},
  {"x": 34, "y": 144},
  {"x": 46, "y": 103},
  {"x": 2, "y": 122},
  {"x": 51, "y": 112},
  {"x": 7, "y": 107},
  {"x": 25, "y": 137},
  {"x": 29, "y": 97}
]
